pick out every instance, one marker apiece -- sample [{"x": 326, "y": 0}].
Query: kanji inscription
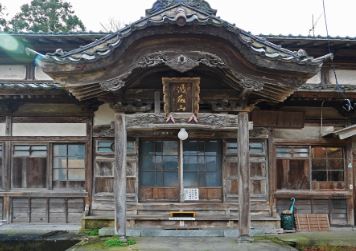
[{"x": 181, "y": 95}]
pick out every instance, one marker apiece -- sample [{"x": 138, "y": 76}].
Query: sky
[{"x": 286, "y": 17}]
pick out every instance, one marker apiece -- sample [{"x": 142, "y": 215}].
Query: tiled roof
[{"x": 104, "y": 46}]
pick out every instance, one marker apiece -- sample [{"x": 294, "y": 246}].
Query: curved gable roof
[{"x": 183, "y": 19}]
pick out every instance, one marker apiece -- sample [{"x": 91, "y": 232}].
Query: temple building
[{"x": 179, "y": 120}]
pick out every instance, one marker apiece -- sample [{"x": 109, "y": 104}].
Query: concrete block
[
  {"x": 106, "y": 231},
  {"x": 231, "y": 233},
  {"x": 133, "y": 232},
  {"x": 182, "y": 233}
]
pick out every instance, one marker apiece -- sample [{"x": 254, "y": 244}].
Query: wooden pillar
[
  {"x": 180, "y": 172},
  {"x": 350, "y": 183},
  {"x": 89, "y": 165},
  {"x": 120, "y": 175},
  {"x": 244, "y": 174}
]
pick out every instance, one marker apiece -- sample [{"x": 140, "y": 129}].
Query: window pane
[
  {"x": 193, "y": 148},
  {"x": 22, "y": 151},
  {"x": 148, "y": 178},
  {"x": 131, "y": 147},
  {"x": 319, "y": 175},
  {"x": 319, "y": 152},
  {"x": 69, "y": 165},
  {"x": 212, "y": 179},
  {"x": 318, "y": 164},
  {"x": 336, "y": 164},
  {"x": 212, "y": 148},
  {"x": 190, "y": 179},
  {"x": 60, "y": 162},
  {"x": 170, "y": 163},
  {"x": 38, "y": 151},
  {"x": 159, "y": 179},
  {"x": 76, "y": 150},
  {"x": 60, "y": 174},
  {"x": 60, "y": 150},
  {"x": 39, "y": 148},
  {"x": 256, "y": 148},
  {"x": 148, "y": 162},
  {"x": 191, "y": 163},
  {"x": 231, "y": 147},
  {"x": 170, "y": 148},
  {"x": 170, "y": 179},
  {"x": 147, "y": 148},
  {"x": 158, "y": 147},
  {"x": 76, "y": 162},
  {"x": 105, "y": 146},
  {"x": 76, "y": 174},
  {"x": 336, "y": 176},
  {"x": 211, "y": 163},
  {"x": 301, "y": 152},
  {"x": 283, "y": 152},
  {"x": 334, "y": 152},
  {"x": 22, "y": 148}
]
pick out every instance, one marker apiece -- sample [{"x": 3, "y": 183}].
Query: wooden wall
[
  {"x": 213, "y": 206},
  {"x": 47, "y": 210}
]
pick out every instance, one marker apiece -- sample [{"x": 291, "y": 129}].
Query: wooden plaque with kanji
[{"x": 181, "y": 95}]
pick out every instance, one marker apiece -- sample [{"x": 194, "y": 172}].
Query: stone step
[{"x": 150, "y": 232}]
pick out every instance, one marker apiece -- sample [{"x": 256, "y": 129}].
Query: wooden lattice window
[
  {"x": 327, "y": 164},
  {"x": 68, "y": 165},
  {"x": 305, "y": 167},
  {"x": 159, "y": 164},
  {"x": 293, "y": 170},
  {"x": 29, "y": 166},
  {"x": 202, "y": 164}
]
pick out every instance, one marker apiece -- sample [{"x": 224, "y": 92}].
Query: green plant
[
  {"x": 92, "y": 232},
  {"x": 115, "y": 242}
]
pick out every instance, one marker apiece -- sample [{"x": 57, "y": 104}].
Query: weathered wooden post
[
  {"x": 120, "y": 176},
  {"x": 244, "y": 175}
]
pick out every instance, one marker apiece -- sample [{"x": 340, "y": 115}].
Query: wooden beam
[
  {"x": 120, "y": 175},
  {"x": 244, "y": 174},
  {"x": 206, "y": 121}
]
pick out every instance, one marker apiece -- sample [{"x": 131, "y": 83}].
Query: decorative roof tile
[{"x": 201, "y": 5}]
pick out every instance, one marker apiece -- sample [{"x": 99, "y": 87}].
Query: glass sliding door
[
  {"x": 202, "y": 168},
  {"x": 159, "y": 171},
  {"x": 162, "y": 178}
]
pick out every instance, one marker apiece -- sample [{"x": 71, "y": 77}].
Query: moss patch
[
  {"x": 98, "y": 244},
  {"x": 317, "y": 241},
  {"x": 91, "y": 232}
]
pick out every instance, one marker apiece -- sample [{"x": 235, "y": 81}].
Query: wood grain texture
[
  {"x": 120, "y": 175},
  {"x": 244, "y": 173}
]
